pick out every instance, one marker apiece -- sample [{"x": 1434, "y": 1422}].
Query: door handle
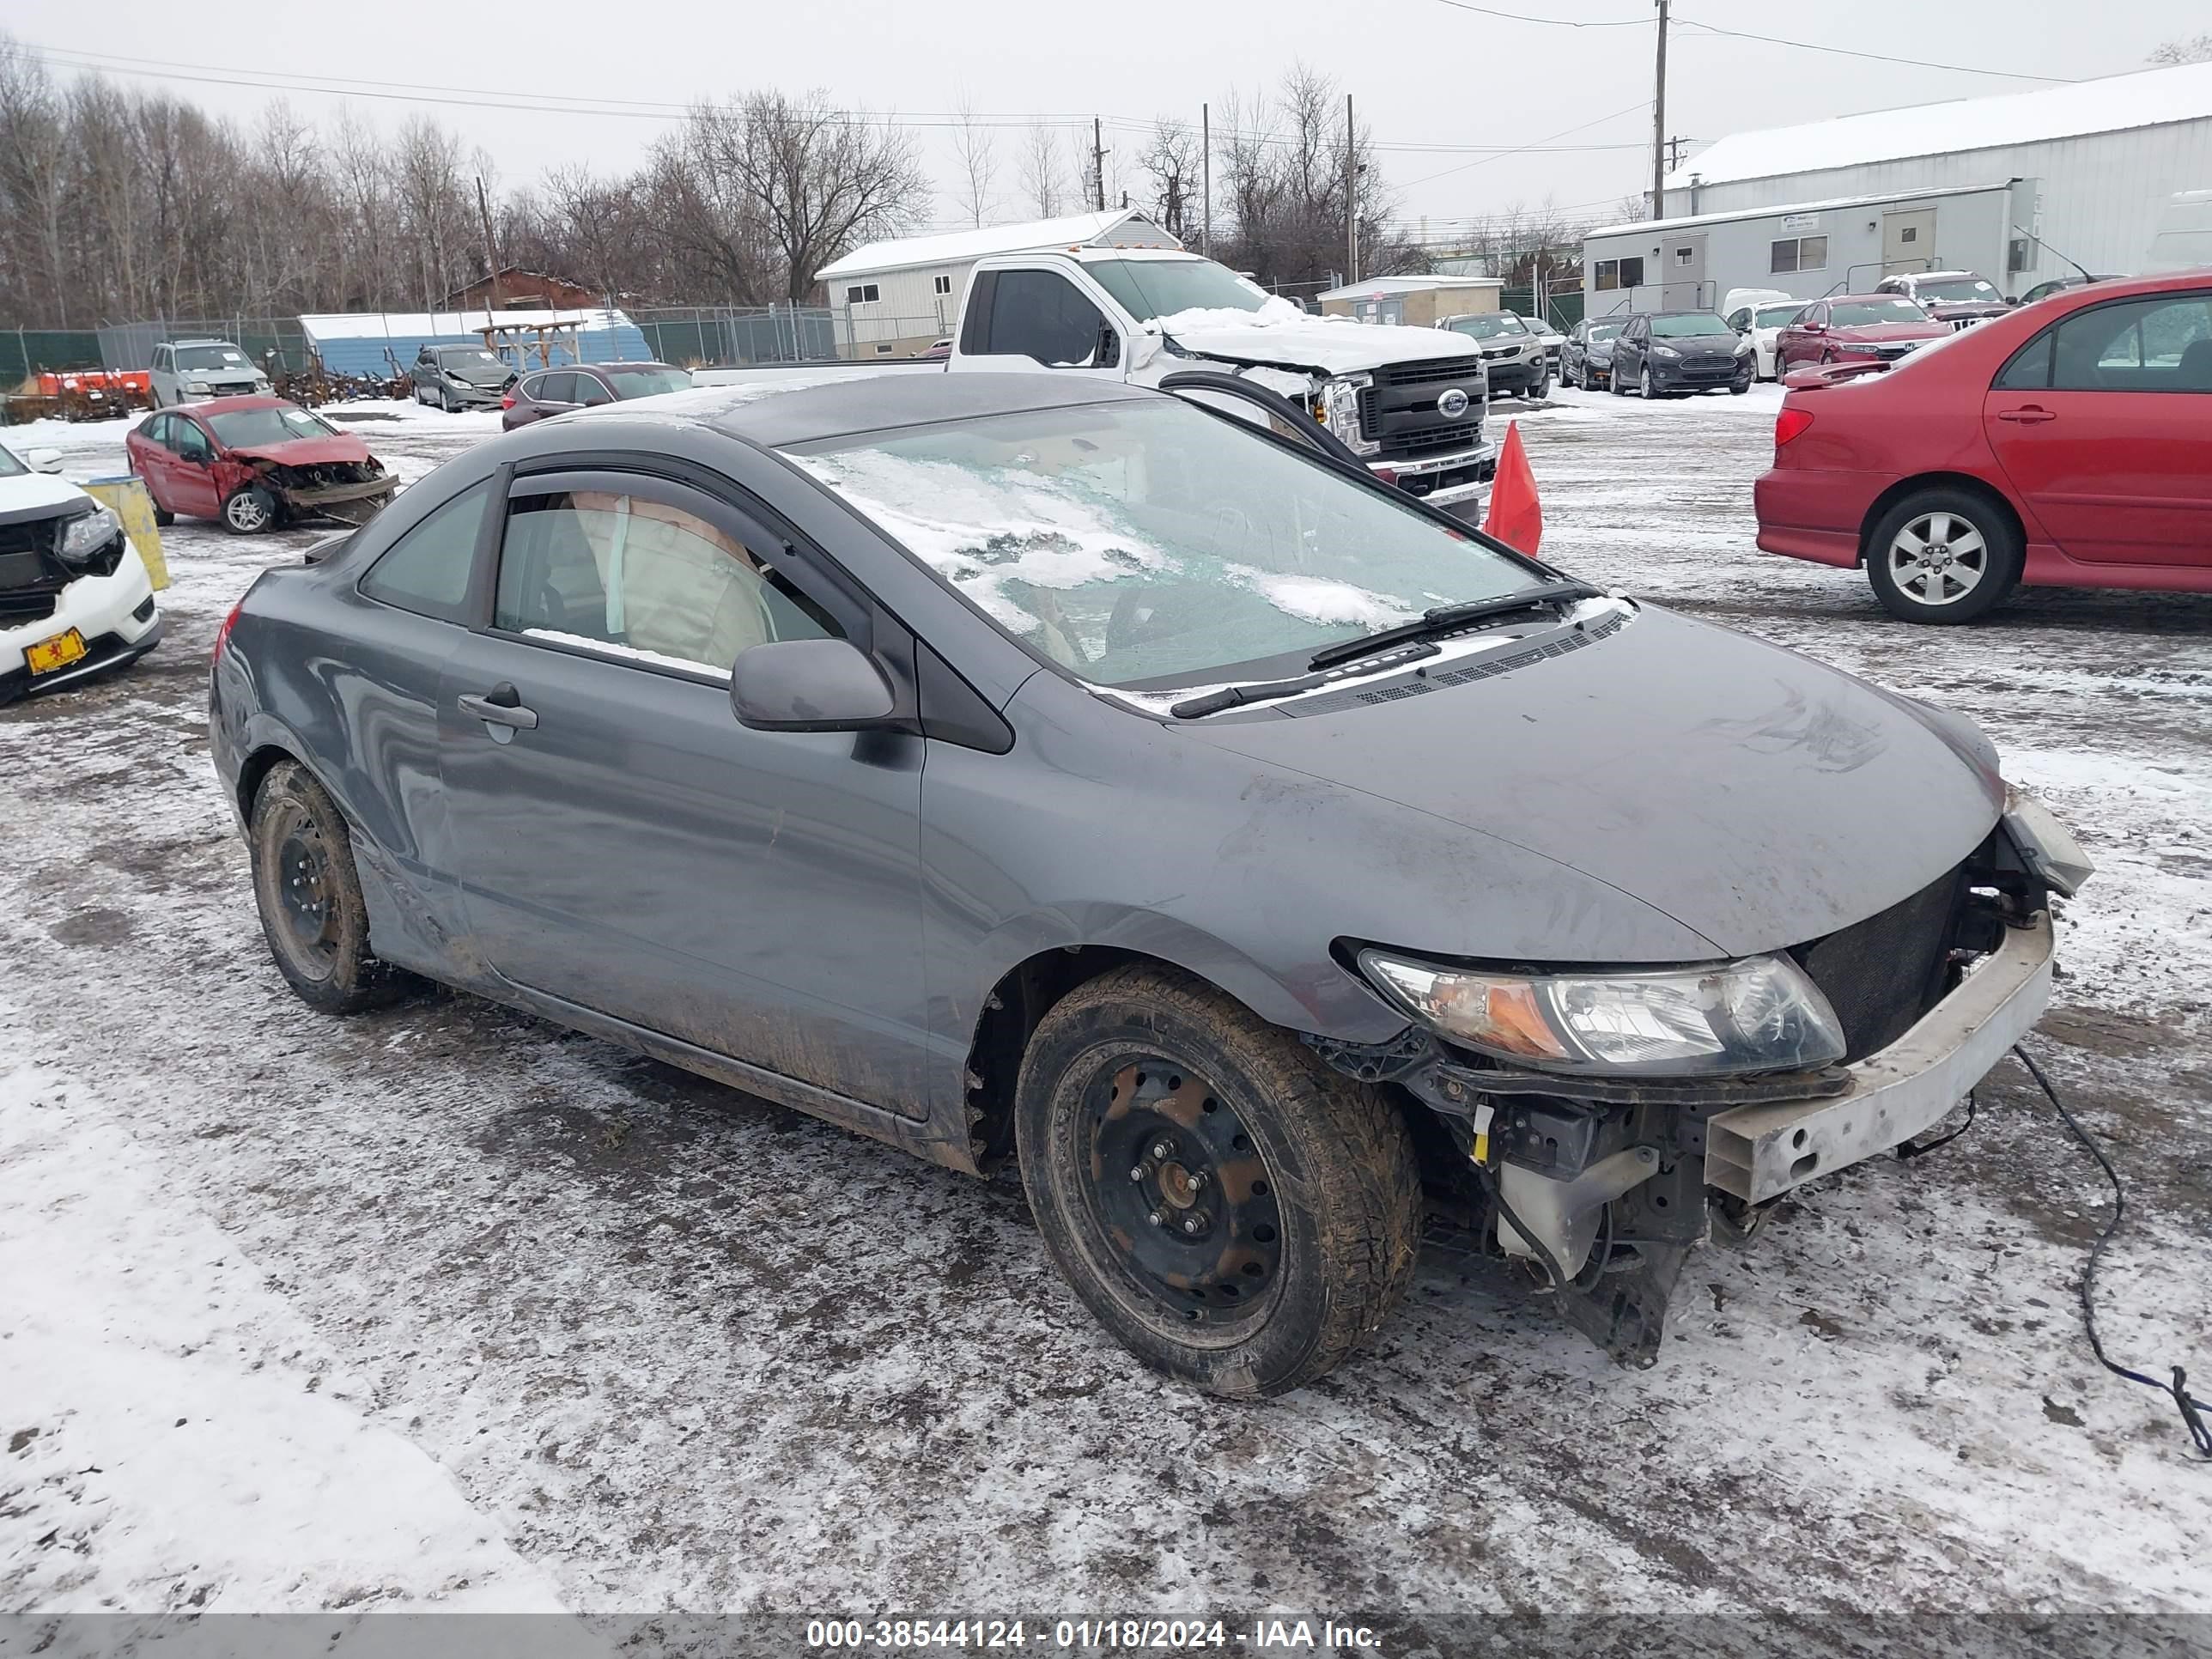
[
  {"x": 501, "y": 706},
  {"x": 2028, "y": 415}
]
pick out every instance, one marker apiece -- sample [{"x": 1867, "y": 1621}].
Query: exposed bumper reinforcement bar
[{"x": 1760, "y": 1152}]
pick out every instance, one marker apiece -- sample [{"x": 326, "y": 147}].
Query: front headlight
[
  {"x": 1761, "y": 1014},
  {"x": 1340, "y": 411},
  {"x": 87, "y": 533},
  {"x": 1664, "y": 351},
  {"x": 1743, "y": 347}
]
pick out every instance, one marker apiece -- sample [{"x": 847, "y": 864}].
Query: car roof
[
  {"x": 899, "y": 398},
  {"x": 227, "y": 405},
  {"x": 633, "y": 362},
  {"x": 202, "y": 339}
]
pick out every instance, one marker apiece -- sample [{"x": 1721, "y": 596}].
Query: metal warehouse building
[
  {"x": 1804, "y": 249},
  {"x": 2103, "y": 158},
  {"x": 901, "y": 294}
]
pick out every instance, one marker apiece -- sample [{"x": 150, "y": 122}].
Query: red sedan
[
  {"x": 1855, "y": 328},
  {"x": 2067, "y": 444},
  {"x": 254, "y": 464}
]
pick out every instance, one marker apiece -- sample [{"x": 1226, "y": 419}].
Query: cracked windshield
[{"x": 1147, "y": 545}]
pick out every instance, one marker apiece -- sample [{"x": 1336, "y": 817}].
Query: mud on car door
[{"x": 627, "y": 846}]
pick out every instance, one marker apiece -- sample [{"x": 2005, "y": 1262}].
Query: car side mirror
[
  {"x": 1107, "y": 354},
  {"x": 44, "y": 460},
  {"x": 809, "y": 685}
]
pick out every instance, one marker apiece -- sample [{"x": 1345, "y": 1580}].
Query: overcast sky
[{"x": 1422, "y": 72}]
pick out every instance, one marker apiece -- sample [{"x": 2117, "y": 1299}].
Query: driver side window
[
  {"x": 1041, "y": 314},
  {"x": 644, "y": 578},
  {"x": 188, "y": 440}
]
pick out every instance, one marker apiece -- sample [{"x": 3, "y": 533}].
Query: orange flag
[{"x": 1516, "y": 517}]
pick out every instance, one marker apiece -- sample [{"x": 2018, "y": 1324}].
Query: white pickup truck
[{"x": 1409, "y": 401}]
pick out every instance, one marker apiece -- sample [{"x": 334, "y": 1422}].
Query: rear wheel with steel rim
[
  {"x": 1943, "y": 556},
  {"x": 1233, "y": 1212},
  {"x": 309, "y": 897}
]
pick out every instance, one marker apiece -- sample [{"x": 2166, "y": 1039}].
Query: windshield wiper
[
  {"x": 1445, "y": 617},
  {"x": 1234, "y": 696}
]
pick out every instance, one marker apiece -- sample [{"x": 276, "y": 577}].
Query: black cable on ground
[
  {"x": 2192, "y": 1409},
  {"x": 1921, "y": 1149}
]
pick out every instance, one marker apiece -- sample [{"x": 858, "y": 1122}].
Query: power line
[
  {"x": 1555, "y": 22},
  {"x": 646, "y": 109},
  {"x": 1879, "y": 58},
  {"x": 1642, "y": 104}
]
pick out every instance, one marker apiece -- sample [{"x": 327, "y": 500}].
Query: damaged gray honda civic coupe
[{"x": 1112, "y": 780}]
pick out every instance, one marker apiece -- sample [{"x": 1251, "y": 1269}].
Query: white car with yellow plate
[{"x": 75, "y": 597}]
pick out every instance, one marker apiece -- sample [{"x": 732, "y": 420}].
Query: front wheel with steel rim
[
  {"x": 1233, "y": 1212},
  {"x": 1643, "y": 385},
  {"x": 309, "y": 897},
  {"x": 1943, "y": 556},
  {"x": 248, "y": 510}
]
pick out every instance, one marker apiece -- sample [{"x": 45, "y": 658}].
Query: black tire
[
  {"x": 163, "y": 517},
  {"x": 1541, "y": 388},
  {"x": 1309, "y": 1236},
  {"x": 249, "y": 510},
  {"x": 1646, "y": 388},
  {"x": 1613, "y": 383},
  {"x": 308, "y": 894},
  {"x": 1737, "y": 388},
  {"x": 1918, "y": 552}
]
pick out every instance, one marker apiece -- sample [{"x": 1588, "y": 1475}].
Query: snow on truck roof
[
  {"x": 2111, "y": 103},
  {"x": 904, "y": 253}
]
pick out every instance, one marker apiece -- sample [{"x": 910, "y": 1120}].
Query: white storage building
[
  {"x": 903, "y": 295},
  {"x": 2106, "y": 157}
]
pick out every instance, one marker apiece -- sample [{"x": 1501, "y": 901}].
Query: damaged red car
[{"x": 255, "y": 463}]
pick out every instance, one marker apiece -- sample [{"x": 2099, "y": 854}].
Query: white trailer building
[
  {"x": 2106, "y": 156},
  {"x": 1804, "y": 249},
  {"x": 900, "y": 295}
]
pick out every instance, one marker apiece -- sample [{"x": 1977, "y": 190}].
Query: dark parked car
[
  {"x": 458, "y": 377},
  {"x": 2060, "y": 284},
  {"x": 555, "y": 391},
  {"x": 1960, "y": 298},
  {"x": 254, "y": 464},
  {"x": 1586, "y": 359},
  {"x": 1855, "y": 328},
  {"x": 2065, "y": 444},
  {"x": 1671, "y": 354},
  {"x": 1037, "y": 768}
]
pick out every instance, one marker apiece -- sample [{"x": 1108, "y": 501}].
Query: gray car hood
[{"x": 1758, "y": 798}]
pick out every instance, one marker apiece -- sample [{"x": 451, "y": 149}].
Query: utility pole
[
  {"x": 1205, "y": 172},
  {"x": 1351, "y": 193},
  {"x": 1098, "y": 161},
  {"x": 1659, "y": 123},
  {"x": 491, "y": 253}
]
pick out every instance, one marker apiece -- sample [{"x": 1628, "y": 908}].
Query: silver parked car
[{"x": 1036, "y": 768}]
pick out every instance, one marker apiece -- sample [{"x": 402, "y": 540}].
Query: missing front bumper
[{"x": 1761, "y": 1151}]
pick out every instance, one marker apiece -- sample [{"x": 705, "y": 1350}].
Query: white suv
[
  {"x": 187, "y": 371},
  {"x": 1514, "y": 355},
  {"x": 75, "y": 597}
]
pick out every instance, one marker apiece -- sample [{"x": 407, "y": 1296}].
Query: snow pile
[
  {"x": 1323, "y": 599},
  {"x": 1273, "y": 311},
  {"x": 179, "y": 1438}
]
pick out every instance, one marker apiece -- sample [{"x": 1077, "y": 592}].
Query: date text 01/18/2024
[{"x": 1124, "y": 1635}]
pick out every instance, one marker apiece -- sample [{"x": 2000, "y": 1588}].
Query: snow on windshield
[{"x": 995, "y": 534}]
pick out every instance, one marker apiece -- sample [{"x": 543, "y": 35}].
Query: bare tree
[
  {"x": 819, "y": 180},
  {"x": 2196, "y": 50},
  {"x": 1287, "y": 175},
  {"x": 1171, "y": 162},
  {"x": 1039, "y": 174},
  {"x": 976, "y": 155}
]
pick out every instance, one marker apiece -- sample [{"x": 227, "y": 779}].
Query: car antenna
[{"x": 2076, "y": 264}]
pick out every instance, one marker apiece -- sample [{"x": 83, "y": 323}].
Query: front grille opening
[{"x": 1881, "y": 974}]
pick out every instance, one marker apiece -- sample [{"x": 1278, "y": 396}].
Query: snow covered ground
[{"x": 448, "y": 1309}]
